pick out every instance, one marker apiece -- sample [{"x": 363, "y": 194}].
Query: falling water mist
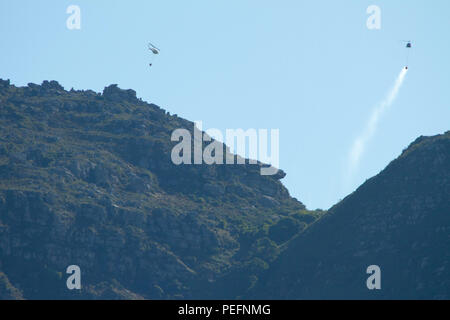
[{"x": 360, "y": 143}]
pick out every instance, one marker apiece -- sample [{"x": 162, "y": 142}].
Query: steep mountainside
[
  {"x": 398, "y": 220},
  {"x": 86, "y": 179}
]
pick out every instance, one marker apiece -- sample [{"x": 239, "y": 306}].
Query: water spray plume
[{"x": 359, "y": 145}]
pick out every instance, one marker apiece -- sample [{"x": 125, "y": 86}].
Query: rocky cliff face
[
  {"x": 86, "y": 179},
  {"x": 398, "y": 220}
]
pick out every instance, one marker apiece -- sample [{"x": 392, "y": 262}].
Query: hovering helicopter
[{"x": 153, "y": 49}]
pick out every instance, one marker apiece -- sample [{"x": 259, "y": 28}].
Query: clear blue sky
[{"x": 310, "y": 68}]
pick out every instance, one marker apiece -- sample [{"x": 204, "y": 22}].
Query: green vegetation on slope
[{"x": 86, "y": 179}]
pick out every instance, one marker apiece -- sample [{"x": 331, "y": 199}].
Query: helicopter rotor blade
[{"x": 152, "y": 46}]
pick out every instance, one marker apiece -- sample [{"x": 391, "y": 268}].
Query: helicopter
[{"x": 153, "y": 49}]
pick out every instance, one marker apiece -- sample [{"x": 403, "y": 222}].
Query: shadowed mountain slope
[{"x": 398, "y": 220}]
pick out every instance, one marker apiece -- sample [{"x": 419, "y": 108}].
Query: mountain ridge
[{"x": 86, "y": 179}]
